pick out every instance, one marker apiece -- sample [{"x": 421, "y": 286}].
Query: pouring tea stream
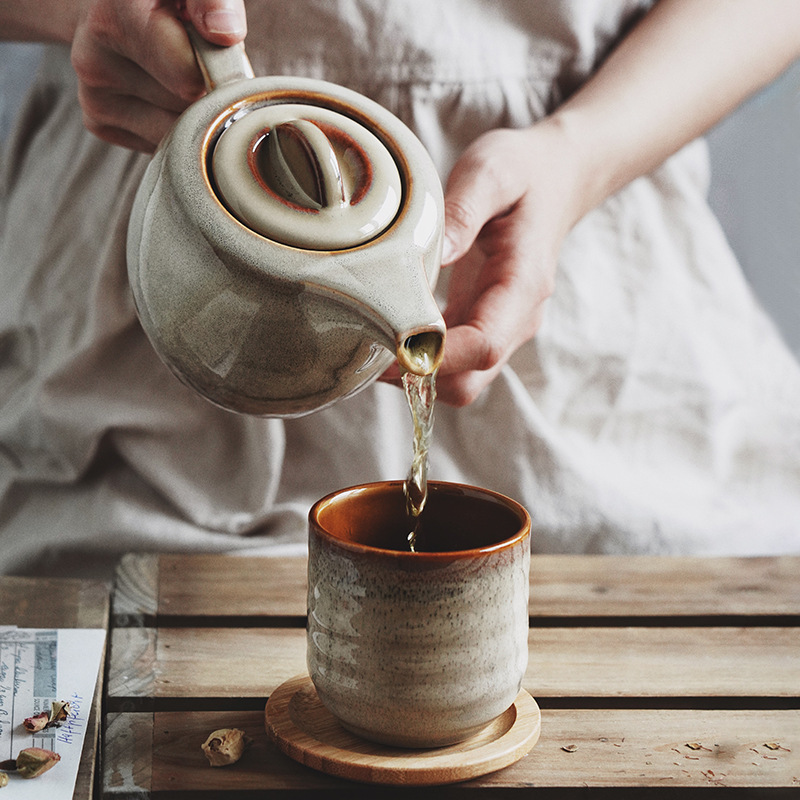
[{"x": 284, "y": 242}]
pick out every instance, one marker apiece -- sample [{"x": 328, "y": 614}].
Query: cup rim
[{"x": 516, "y": 507}]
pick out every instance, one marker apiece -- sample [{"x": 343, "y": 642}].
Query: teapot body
[{"x": 259, "y": 326}]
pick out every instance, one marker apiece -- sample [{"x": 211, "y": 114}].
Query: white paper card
[{"x": 37, "y": 667}]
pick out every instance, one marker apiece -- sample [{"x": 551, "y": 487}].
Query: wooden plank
[
  {"x": 232, "y": 586},
  {"x": 664, "y": 662},
  {"x": 567, "y": 586},
  {"x": 127, "y": 756},
  {"x": 563, "y": 663},
  {"x": 136, "y": 590},
  {"x": 53, "y": 602},
  {"x": 133, "y": 668},
  {"x": 161, "y": 753},
  {"x": 577, "y": 748},
  {"x": 591, "y": 586},
  {"x": 680, "y": 748}
]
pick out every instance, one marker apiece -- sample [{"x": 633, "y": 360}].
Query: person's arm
[
  {"x": 134, "y": 63},
  {"x": 686, "y": 65},
  {"x": 514, "y": 194}
]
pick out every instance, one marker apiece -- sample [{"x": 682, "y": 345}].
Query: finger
[
  {"x": 123, "y": 138},
  {"x": 463, "y": 288},
  {"x": 476, "y": 352},
  {"x": 220, "y": 21},
  {"x": 463, "y": 291},
  {"x": 117, "y": 44},
  {"x": 460, "y": 388},
  {"x": 463, "y": 389},
  {"x": 493, "y": 302},
  {"x": 489, "y": 336},
  {"x": 107, "y": 114},
  {"x": 165, "y": 53},
  {"x": 490, "y": 303},
  {"x": 507, "y": 312},
  {"x": 479, "y": 188},
  {"x": 123, "y": 77},
  {"x": 503, "y": 307}
]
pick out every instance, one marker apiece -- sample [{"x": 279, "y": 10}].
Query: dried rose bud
[
  {"x": 59, "y": 712},
  {"x": 33, "y": 761},
  {"x": 225, "y": 746},
  {"x": 3, "y": 779},
  {"x": 37, "y": 722}
]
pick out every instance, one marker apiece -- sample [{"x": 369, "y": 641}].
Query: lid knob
[
  {"x": 307, "y": 177},
  {"x": 300, "y": 165}
]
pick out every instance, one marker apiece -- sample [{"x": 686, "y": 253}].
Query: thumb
[
  {"x": 219, "y": 21},
  {"x": 477, "y": 192}
]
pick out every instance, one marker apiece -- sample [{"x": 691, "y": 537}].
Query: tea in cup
[{"x": 417, "y": 649}]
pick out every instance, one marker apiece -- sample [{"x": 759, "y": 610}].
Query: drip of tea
[{"x": 420, "y": 389}]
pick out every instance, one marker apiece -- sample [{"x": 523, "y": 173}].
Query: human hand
[
  {"x": 510, "y": 200},
  {"x": 136, "y": 68}
]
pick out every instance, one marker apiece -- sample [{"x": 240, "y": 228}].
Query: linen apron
[{"x": 655, "y": 412}]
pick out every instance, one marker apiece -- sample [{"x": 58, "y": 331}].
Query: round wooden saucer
[{"x": 307, "y": 732}]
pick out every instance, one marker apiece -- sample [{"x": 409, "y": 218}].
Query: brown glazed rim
[
  {"x": 302, "y": 96},
  {"x": 388, "y": 486}
]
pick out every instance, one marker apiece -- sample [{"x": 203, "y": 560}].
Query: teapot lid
[{"x": 306, "y": 176}]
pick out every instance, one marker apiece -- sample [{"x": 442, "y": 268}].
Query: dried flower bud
[
  {"x": 59, "y": 711},
  {"x": 37, "y": 722},
  {"x": 3, "y": 779},
  {"x": 225, "y": 746},
  {"x": 33, "y": 761}
]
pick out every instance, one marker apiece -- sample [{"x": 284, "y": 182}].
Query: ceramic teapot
[{"x": 284, "y": 242}]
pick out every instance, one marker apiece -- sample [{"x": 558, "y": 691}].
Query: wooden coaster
[{"x": 307, "y": 732}]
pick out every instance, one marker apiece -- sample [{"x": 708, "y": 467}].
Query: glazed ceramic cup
[{"x": 417, "y": 649}]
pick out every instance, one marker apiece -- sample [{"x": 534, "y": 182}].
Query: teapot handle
[{"x": 219, "y": 65}]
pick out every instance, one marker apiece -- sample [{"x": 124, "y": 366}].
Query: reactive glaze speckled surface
[
  {"x": 416, "y": 649},
  {"x": 284, "y": 320}
]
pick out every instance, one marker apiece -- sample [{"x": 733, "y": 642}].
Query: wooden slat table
[
  {"x": 675, "y": 673},
  {"x": 61, "y": 603}
]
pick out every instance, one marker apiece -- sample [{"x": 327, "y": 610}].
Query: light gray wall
[
  {"x": 17, "y": 64},
  {"x": 755, "y": 157},
  {"x": 755, "y": 161}
]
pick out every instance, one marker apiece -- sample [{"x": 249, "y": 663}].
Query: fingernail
[{"x": 224, "y": 21}]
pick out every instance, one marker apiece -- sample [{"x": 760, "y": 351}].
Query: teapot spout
[
  {"x": 390, "y": 286},
  {"x": 421, "y": 352},
  {"x": 403, "y": 302}
]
